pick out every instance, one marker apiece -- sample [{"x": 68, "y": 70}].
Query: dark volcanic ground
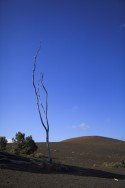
[{"x": 83, "y": 159}]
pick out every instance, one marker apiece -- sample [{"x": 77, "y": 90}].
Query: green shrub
[
  {"x": 23, "y": 145},
  {"x": 120, "y": 164},
  {"x": 30, "y": 146},
  {"x": 38, "y": 155},
  {"x": 3, "y": 143}
]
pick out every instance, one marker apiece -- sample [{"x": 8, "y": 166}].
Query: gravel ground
[
  {"x": 90, "y": 154},
  {"x": 17, "y": 179}
]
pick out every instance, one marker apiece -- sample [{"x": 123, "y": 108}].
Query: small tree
[
  {"x": 23, "y": 145},
  {"x": 19, "y": 137},
  {"x": 3, "y": 143},
  {"x": 30, "y": 145},
  {"x": 42, "y": 110}
]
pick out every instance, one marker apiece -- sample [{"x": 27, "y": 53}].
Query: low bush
[
  {"x": 3, "y": 143},
  {"x": 120, "y": 164},
  {"x": 38, "y": 155}
]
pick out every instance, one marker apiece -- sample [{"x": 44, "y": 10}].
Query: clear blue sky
[{"x": 83, "y": 60}]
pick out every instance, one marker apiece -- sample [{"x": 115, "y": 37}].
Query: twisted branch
[
  {"x": 37, "y": 89},
  {"x": 46, "y": 111}
]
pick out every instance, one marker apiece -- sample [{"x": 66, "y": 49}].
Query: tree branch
[
  {"x": 34, "y": 86},
  {"x": 44, "y": 88}
]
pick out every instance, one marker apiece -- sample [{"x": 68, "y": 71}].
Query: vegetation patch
[
  {"x": 23, "y": 145},
  {"x": 3, "y": 143},
  {"x": 120, "y": 164},
  {"x": 38, "y": 155}
]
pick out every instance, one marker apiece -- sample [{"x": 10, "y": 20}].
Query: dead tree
[{"x": 42, "y": 110}]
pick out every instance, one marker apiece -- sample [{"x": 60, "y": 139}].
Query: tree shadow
[
  {"x": 61, "y": 169},
  {"x": 88, "y": 172},
  {"x": 18, "y": 163}
]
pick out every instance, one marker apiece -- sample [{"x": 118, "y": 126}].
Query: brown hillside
[
  {"x": 86, "y": 151},
  {"x": 91, "y": 139}
]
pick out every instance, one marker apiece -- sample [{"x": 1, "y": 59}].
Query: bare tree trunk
[
  {"x": 48, "y": 147},
  {"x": 40, "y": 105}
]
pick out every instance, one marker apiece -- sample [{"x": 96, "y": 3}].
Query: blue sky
[{"x": 83, "y": 61}]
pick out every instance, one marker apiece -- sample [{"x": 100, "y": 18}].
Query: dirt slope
[{"x": 91, "y": 139}]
